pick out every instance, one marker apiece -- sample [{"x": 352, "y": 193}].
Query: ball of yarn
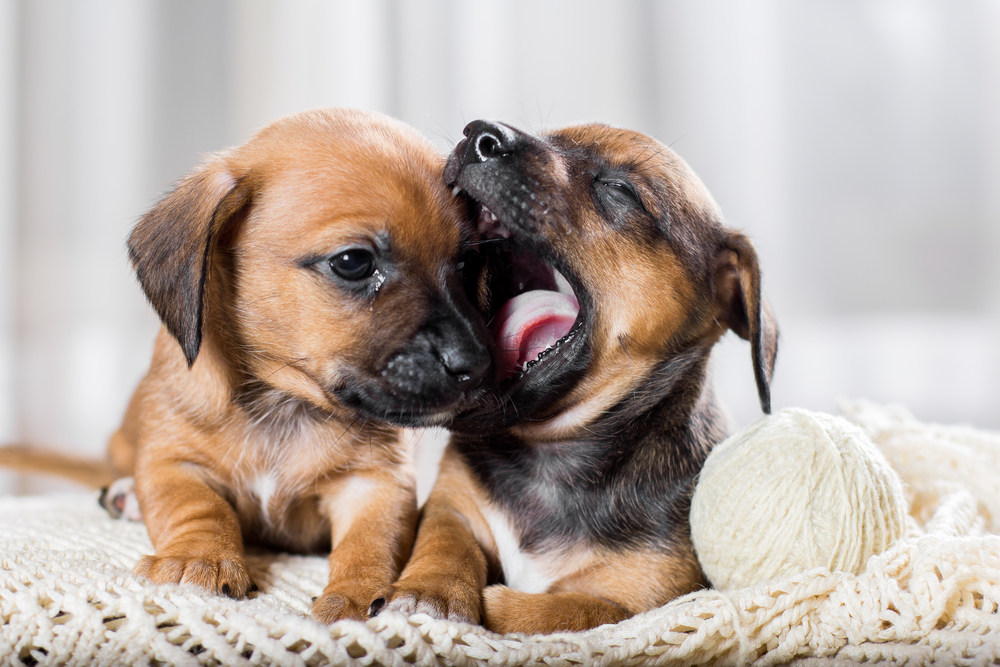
[{"x": 794, "y": 491}]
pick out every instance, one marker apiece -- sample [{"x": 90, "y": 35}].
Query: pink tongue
[{"x": 530, "y": 323}]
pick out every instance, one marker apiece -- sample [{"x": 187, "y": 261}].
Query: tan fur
[
  {"x": 28, "y": 459},
  {"x": 215, "y": 464},
  {"x": 507, "y": 610},
  {"x": 207, "y": 473}
]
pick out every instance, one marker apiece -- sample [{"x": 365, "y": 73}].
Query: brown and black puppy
[
  {"x": 310, "y": 292},
  {"x": 609, "y": 277}
]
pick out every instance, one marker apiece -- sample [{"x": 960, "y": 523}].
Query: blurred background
[{"x": 857, "y": 142}]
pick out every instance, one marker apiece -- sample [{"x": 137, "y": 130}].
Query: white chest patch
[
  {"x": 521, "y": 571},
  {"x": 263, "y": 487}
]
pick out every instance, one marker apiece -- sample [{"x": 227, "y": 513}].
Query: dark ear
[
  {"x": 171, "y": 247},
  {"x": 745, "y": 310}
]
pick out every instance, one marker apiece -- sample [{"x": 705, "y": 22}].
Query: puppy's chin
[
  {"x": 417, "y": 397},
  {"x": 537, "y": 395},
  {"x": 392, "y": 410},
  {"x": 376, "y": 399}
]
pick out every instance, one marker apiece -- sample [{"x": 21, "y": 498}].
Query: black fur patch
[{"x": 628, "y": 484}]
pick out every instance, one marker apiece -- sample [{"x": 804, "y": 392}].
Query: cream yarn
[{"x": 794, "y": 491}]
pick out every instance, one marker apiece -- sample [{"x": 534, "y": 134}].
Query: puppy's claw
[
  {"x": 348, "y": 601},
  {"x": 376, "y": 607},
  {"x": 453, "y": 604},
  {"x": 225, "y": 575}
]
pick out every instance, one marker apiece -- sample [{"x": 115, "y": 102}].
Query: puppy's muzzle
[
  {"x": 429, "y": 365},
  {"x": 431, "y": 378},
  {"x": 444, "y": 358}
]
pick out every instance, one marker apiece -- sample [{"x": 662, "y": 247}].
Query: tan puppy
[
  {"x": 609, "y": 278},
  {"x": 310, "y": 290}
]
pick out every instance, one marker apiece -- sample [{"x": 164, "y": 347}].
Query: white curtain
[{"x": 857, "y": 142}]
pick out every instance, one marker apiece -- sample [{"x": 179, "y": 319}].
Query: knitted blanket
[{"x": 67, "y": 595}]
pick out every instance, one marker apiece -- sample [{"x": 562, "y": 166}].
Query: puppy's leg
[
  {"x": 618, "y": 587},
  {"x": 449, "y": 566},
  {"x": 447, "y": 571},
  {"x": 195, "y": 532},
  {"x": 507, "y": 610},
  {"x": 373, "y": 517}
]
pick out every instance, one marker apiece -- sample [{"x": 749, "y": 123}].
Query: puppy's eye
[
  {"x": 621, "y": 187},
  {"x": 354, "y": 264}
]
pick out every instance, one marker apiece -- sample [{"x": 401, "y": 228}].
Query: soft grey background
[{"x": 856, "y": 141}]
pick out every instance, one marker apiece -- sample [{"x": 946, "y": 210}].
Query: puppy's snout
[
  {"x": 437, "y": 372},
  {"x": 448, "y": 356},
  {"x": 487, "y": 141}
]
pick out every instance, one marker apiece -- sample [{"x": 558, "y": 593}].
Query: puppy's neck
[
  {"x": 282, "y": 414},
  {"x": 652, "y": 442},
  {"x": 664, "y": 400},
  {"x": 277, "y": 401}
]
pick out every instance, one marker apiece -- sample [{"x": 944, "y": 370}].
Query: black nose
[
  {"x": 487, "y": 141},
  {"x": 466, "y": 364}
]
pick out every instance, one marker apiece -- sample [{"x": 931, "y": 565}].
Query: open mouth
[{"x": 535, "y": 310}]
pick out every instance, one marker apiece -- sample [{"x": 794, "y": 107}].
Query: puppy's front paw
[
  {"x": 446, "y": 600},
  {"x": 348, "y": 601},
  {"x": 225, "y": 574}
]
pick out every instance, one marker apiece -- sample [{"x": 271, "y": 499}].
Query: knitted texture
[
  {"x": 67, "y": 595},
  {"x": 794, "y": 491}
]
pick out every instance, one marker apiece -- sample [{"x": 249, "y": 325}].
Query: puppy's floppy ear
[
  {"x": 745, "y": 310},
  {"x": 171, "y": 247}
]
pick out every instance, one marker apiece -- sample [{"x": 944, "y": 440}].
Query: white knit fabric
[{"x": 67, "y": 595}]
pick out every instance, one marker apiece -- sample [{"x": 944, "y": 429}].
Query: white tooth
[
  {"x": 562, "y": 285},
  {"x": 494, "y": 216},
  {"x": 455, "y": 190}
]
